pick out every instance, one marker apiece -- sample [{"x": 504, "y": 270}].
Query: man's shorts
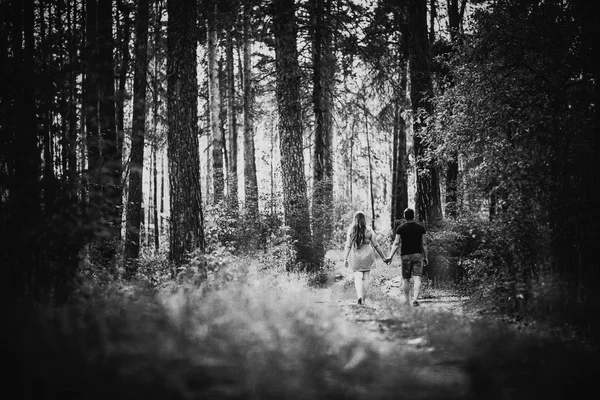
[{"x": 412, "y": 265}]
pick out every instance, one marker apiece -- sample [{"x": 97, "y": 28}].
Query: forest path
[{"x": 389, "y": 324}]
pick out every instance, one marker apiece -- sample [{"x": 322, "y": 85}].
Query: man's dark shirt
[{"x": 411, "y": 233}]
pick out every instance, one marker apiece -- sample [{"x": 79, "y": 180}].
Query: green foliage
[{"x": 517, "y": 108}]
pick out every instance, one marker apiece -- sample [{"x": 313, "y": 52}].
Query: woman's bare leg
[
  {"x": 366, "y": 281},
  {"x": 359, "y": 285}
]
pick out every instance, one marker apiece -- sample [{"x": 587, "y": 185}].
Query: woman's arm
[
  {"x": 376, "y": 245},
  {"x": 347, "y": 246},
  {"x": 394, "y": 247}
]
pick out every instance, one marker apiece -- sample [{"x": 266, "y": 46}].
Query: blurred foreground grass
[{"x": 259, "y": 334}]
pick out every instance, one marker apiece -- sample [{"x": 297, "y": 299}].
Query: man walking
[{"x": 410, "y": 237}]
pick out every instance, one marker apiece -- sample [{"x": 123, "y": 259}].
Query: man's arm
[
  {"x": 424, "y": 250},
  {"x": 395, "y": 246}
]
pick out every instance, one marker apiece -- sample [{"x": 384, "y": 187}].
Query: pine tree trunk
[
  {"x": 324, "y": 67},
  {"x": 215, "y": 106},
  {"x": 187, "y": 231},
  {"x": 20, "y": 250},
  {"x": 428, "y": 203},
  {"x": 90, "y": 101},
  {"x": 124, "y": 32},
  {"x": 111, "y": 163},
  {"x": 155, "y": 201},
  {"x": 371, "y": 193},
  {"x": 138, "y": 133},
  {"x": 250, "y": 181},
  {"x": 455, "y": 14},
  {"x": 295, "y": 200},
  {"x": 231, "y": 125}
]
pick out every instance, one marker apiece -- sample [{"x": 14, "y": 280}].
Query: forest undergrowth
[{"x": 250, "y": 330}]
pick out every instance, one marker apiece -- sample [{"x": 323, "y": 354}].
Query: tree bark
[
  {"x": 215, "y": 105},
  {"x": 401, "y": 180},
  {"x": 231, "y": 124},
  {"x": 111, "y": 163},
  {"x": 295, "y": 201},
  {"x": 428, "y": 204},
  {"x": 90, "y": 101},
  {"x": 125, "y": 37},
  {"x": 372, "y": 194},
  {"x": 455, "y": 15},
  {"x": 250, "y": 181},
  {"x": 323, "y": 70},
  {"x": 187, "y": 231},
  {"x": 138, "y": 133}
]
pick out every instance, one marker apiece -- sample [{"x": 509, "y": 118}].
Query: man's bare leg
[
  {"x": 406, "y": 289},
  {"x": 417, "y": 287}
]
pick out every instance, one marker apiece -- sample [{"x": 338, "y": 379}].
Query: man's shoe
[
  {"x": 359, "y": 301},
  {"x": 415, "y": 303}
]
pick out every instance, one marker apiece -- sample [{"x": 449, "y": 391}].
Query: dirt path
[{"x": 389, "y": 324}]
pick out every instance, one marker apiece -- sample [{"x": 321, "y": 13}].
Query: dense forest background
[{"x": 144, "y": 139}]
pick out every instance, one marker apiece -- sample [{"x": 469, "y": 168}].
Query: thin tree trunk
[
  {"x": 155, "y": 201},
  {"x": 187, "y": 230},
  {"x": 125, "y": 37},
  {"x": 295, "y": 201},
  {"x": 231, "y": 124},
  {"x": 250, "y": 181},
  {"x": 372, "y": 194},
  {"x": 138, "y": 133},
  {"x": 91, "y": 109},
  {"x": 112, "y": 190},
  {"x": 72, "y": 116},
  {"x": 215, "y": 106},
  {"x": 352, "y": 159}
]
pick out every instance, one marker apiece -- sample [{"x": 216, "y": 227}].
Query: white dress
[{"x": 362, "y": 258}]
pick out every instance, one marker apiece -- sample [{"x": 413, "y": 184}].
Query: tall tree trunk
[
  {"x": 250, "y": 181},
  {"x": 125, "y": 37},
  {"x": 402, "y": 101},
  {"x": 90, "y": 101},
  {"x": 324, "y": 68},
  {"x": 372, "y": 194},
  {"x": 401, "y": 182},
  {"x": 455, "y": 15},
  {"x": 432, "y": 17},
  {"x": 428, "y": 204},
  {"x": 351, "y": 178},
  {"x": 155, "y": 200},
  {"x": 20, "y": 250},
  {"x": 215, "y": 105},
  {"x": 138, "y": 133},
  {"x": 231, "y": 124},
  {"x": 72, "y": 115},
  {"x": 295, "y": 201},
  {"x": 111, "y": 163},
  {"x": 187, "y": 231}
]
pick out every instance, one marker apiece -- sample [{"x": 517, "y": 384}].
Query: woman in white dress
[{"x": 360, "y": 257}]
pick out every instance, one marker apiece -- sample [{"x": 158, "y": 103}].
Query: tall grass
[{"x": 259, "y": 335}]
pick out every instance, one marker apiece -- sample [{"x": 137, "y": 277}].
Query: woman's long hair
[{"x": 359, "y": 227}]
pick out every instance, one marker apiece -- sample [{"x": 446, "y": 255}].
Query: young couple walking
[{"x": 360, "y": 257}]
